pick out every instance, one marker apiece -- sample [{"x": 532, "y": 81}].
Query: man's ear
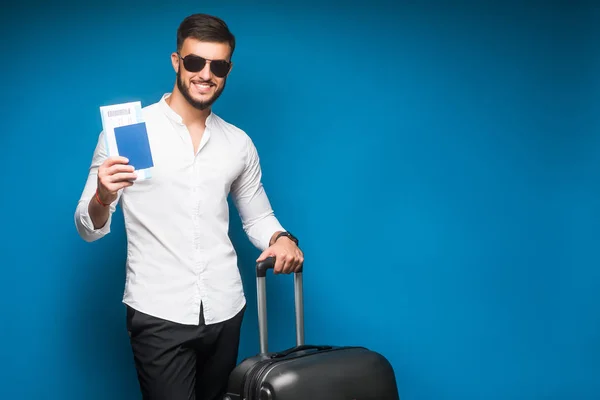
[{"x": 175, "y": 61}]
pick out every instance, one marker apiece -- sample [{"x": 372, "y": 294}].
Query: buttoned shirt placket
[{"x": 196, "y": 211}]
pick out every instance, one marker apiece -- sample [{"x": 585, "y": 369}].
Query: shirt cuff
[
  {"x": 275, "y": 227},
  {"x": 84, "y": 223}
]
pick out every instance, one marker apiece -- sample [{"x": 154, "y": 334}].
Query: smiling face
[{"x": 201, "y": 88}]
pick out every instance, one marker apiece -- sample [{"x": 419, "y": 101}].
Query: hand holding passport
[{"x": 113, "y": 175}]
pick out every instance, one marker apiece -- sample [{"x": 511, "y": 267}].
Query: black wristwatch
[{"x": 287, "y": 234}]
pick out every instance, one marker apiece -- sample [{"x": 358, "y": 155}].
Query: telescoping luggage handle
[{"x": 261, "y": 274}]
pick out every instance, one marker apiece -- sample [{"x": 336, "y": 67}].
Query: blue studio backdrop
[{"x": 439, "y": 161}]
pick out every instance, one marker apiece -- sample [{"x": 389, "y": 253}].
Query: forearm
[
  {"x": 92, "y": 222},
  {"x": 98, "y": 213},
  {"x": 258, "y": 219},
  {"x": 262, "y": 230},
  {"x": 92, "y": 218}
]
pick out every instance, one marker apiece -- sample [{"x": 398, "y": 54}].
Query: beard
[{"x": 200, "y": 105}]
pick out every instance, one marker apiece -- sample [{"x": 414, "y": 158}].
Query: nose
[{"x": 205, "y": 73}]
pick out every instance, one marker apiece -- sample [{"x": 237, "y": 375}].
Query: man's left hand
[{"x": 288, "y": 257}]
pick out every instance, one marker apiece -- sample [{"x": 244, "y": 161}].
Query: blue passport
[{"x": 132, "y": 142}]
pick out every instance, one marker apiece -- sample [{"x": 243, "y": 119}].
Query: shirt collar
[{"x": 171, "y": 114}]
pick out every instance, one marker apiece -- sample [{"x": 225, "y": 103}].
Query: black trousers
[{"x": 183, "y": 362}]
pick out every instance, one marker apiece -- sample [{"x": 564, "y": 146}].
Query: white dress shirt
[{"x": 179, "y": 254}]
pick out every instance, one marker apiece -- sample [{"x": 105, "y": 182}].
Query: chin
[{"x": 203, "y": 97}]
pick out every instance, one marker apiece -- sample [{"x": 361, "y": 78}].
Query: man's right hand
[{"x": 113, "y": 175}]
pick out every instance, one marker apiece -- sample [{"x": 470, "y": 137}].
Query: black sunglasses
[{"x": 194, "y": 63}]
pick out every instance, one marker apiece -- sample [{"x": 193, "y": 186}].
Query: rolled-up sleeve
[
  {"x": 249, "y": 196},
  {"x": 83, "y": 221}
]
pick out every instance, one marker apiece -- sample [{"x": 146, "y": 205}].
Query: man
[{"x": 183, "y": 290}]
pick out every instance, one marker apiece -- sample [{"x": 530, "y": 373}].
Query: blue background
[{"x": 439, "y": 161}]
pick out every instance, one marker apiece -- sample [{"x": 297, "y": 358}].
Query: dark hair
[{"x": 206, "y": 28}]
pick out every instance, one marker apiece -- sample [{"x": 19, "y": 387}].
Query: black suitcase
[{"x": 308, "y": 372}]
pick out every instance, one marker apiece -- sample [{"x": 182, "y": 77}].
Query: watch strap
[{"x": 288, "y": 235}]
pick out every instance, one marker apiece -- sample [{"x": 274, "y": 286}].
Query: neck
[{"x": 189, "y": 114}]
